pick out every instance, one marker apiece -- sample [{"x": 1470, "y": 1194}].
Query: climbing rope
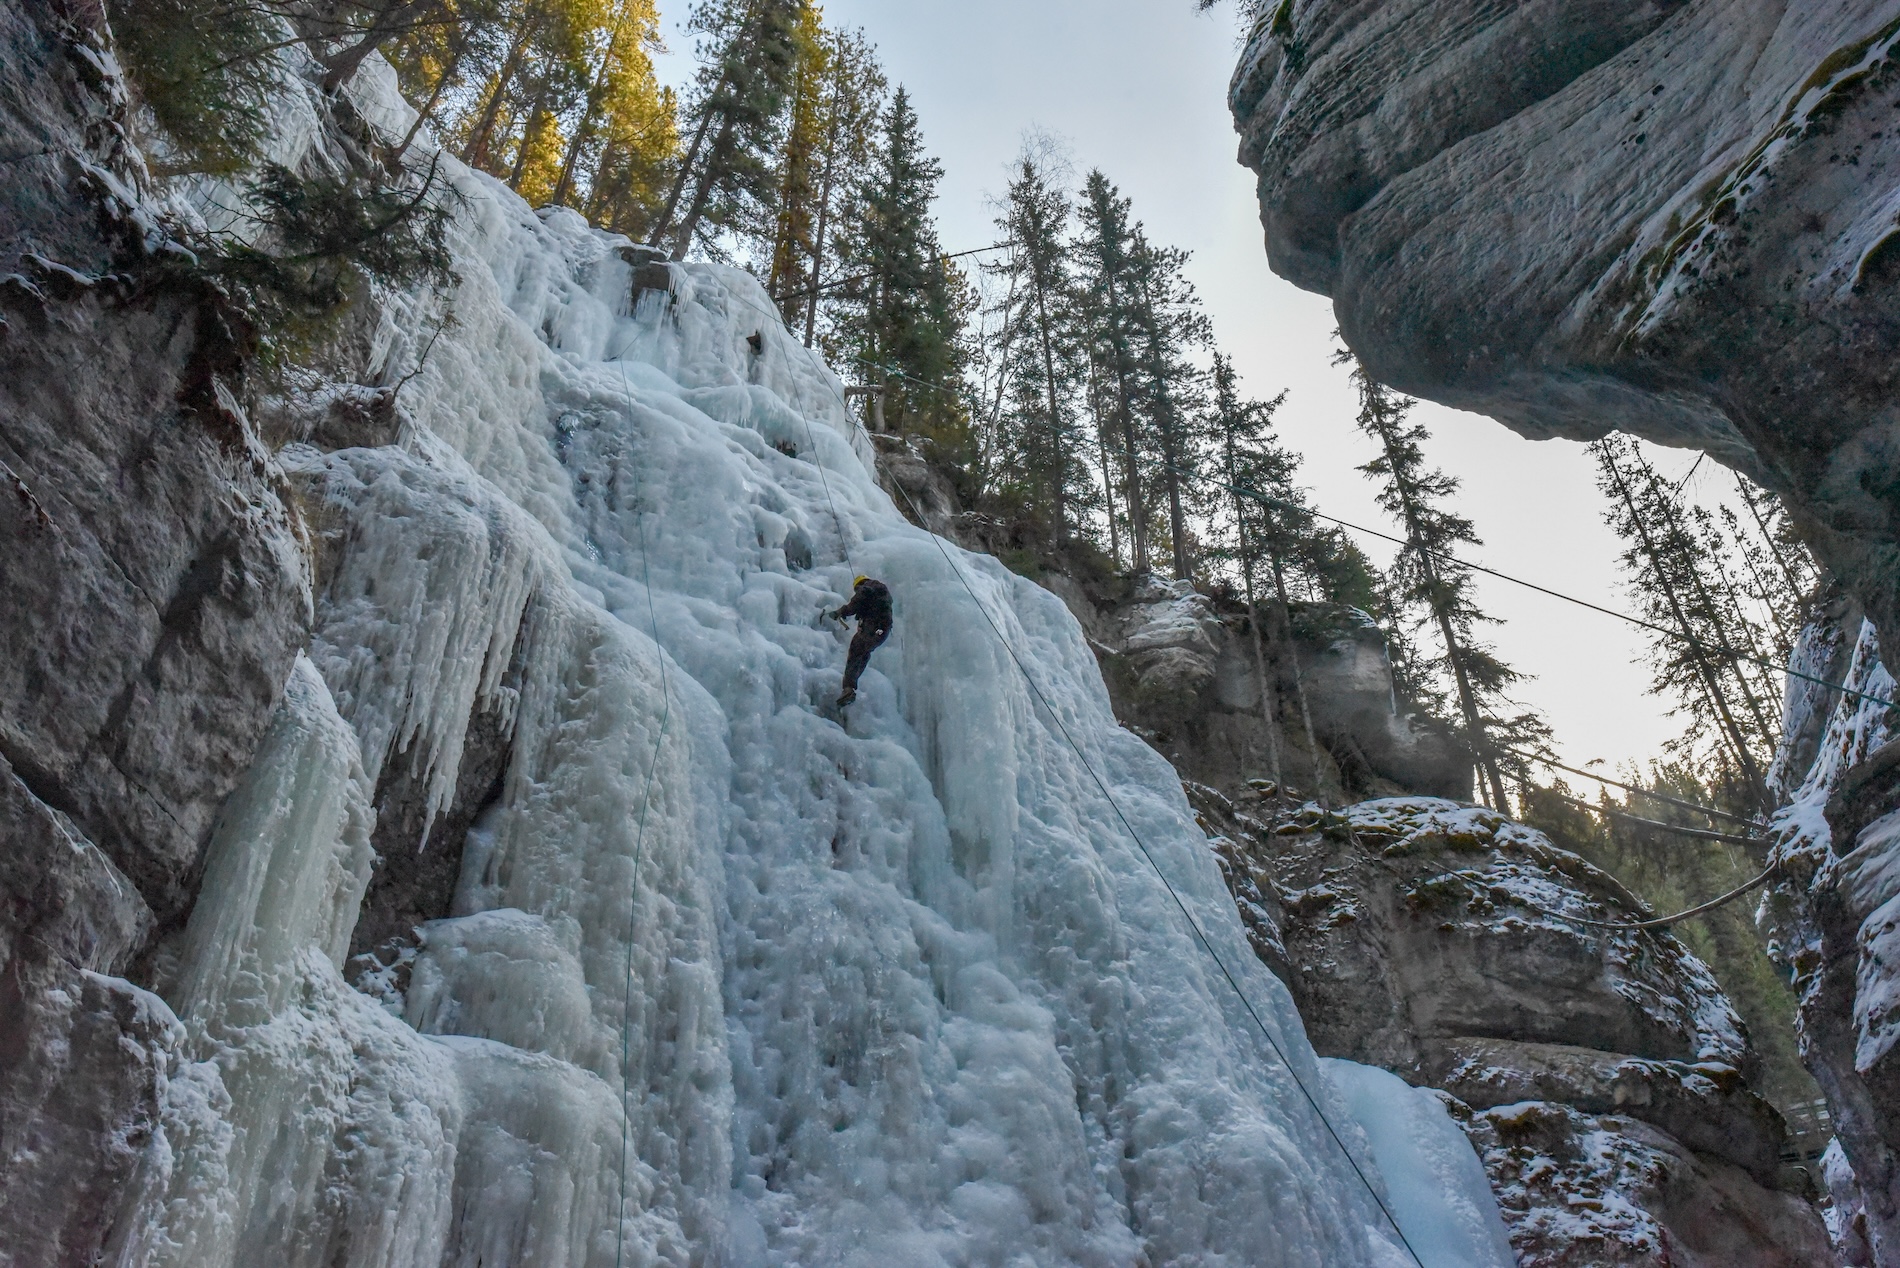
[
  {"x": 639, "y": 848},
  {"x": 1142, "y": 845}
]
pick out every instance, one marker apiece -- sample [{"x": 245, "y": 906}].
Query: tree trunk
[
  {"x": 711, "y": 176},
  {"x": 435, "y": 95},
  {"x": 1686, "y": 542},
  {"x": 1774, "y": 548},
  {"x": 1269, "y": 704},
  {"x": 1454, "y": 654},
  {"x": 1734, "y": 733},
  {"x": 1102, "y": 447},
  {"x": 475, "y": 153},
  {"x": 340, "y": 67},
  {"x": 1467, "y": 699},
  {"x": 824, "y": 217},
  {"x": 583, "y": 130},
  {"x": 535, "y": 115},
  {"x": 1299, "y": 679},
  {"x": 1049, "y": 385},
  {"x": 1177, "y": 520}
]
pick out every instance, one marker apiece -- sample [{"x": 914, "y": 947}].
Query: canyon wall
[
  {"x": 1674, "y": 218},
  {"x": 1678, "y": 219}
]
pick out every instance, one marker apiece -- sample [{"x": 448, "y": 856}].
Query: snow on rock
[
  {"x": 725, "y": 978},
  {"x": 1834, "y": 915},
  {"x": 1416, "y": 920},
  {"x": 1599, "y": 1072},
  {"x": 1605, "y": 1191}
]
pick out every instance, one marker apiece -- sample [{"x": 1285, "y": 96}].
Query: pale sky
[{"x": 1138, "y": 88}]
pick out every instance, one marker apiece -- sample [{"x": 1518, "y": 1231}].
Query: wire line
[
  {"x": 1631, "y": 788},
  {"x": 1631, "y": 926},
  {"x": 1258, "y": 496}
]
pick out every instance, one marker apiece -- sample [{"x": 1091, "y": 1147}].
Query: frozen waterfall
[{"x": 897, "y": 992}]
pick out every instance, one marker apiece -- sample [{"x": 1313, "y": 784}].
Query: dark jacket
[{"x": 871, "y": 604}]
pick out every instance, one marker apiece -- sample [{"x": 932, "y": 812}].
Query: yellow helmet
[{"x": 858, "y": 581}]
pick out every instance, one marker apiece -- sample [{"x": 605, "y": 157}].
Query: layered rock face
[
  {"x": 1832, "y": 915},
  {"x": 1674, "y": 218},
  {"x": 1187, "y": 673},
  {"x": 1599, "y": 1072}
]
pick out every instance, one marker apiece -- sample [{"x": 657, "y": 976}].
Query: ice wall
[{"x": 727, "y": 980}]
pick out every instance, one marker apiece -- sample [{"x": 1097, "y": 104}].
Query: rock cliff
[
  {"x": 1674, "y": 218},
  {"x": 1599, "y": 1072}
]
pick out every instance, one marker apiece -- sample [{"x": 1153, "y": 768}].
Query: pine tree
[
  {"x": 737, "y": 119},
  {"x": 1107, "y": 304},
  {"x": 1679, "y": 580},
  {"x": 1267, "y": 522},
  {"x": 793, "y": 229},
  {"x": 542, "y": 66},
  {"x": 1429, "y": 582},
  {"x": 1040, "y": 430},
  {"x": 639, "y": 142},
  {"x": 851, "y": 101},
  {"x": 557, "y": 97},
  {"x": 1782, "y": 571},
  {"x": 623, "y": 114},
  {"x": 1169, "y": 327},
  {"x": 900, "y": 318}
]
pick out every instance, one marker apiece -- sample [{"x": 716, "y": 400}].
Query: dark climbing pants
[{"x": 867, "y": 640}]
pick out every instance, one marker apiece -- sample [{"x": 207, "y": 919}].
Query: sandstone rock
[
  {"x": 1585, "y": 1191},
  {"x": 1707, "y": 1107},
  {"x": 1672, "y": 218},
  {"x": 1415, "y": 922}
]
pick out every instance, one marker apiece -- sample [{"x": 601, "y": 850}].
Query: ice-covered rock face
[
  {"x": 723, "y": 977},
  {"x": 1674, "y": 218}
]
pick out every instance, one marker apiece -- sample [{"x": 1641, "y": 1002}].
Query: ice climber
[{"x": 871, "y": 604}]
